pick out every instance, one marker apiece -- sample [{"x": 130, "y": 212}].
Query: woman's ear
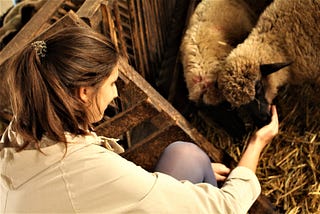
[{"x": 84, "y": 94}]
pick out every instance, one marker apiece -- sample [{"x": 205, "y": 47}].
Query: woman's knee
[{"x": 187, "y": 149}]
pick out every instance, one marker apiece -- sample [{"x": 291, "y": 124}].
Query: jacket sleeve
[
  {"x": 237, "y": 195},
  {"x": 101, "y": 180}
]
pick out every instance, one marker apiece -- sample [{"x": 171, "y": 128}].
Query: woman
[{"x": 52, "y": 161}]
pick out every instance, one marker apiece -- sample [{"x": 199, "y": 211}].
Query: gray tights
[{"x": 186, "y": 161}]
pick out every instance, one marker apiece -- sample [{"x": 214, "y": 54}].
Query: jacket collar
[{"x": 19, "y": 167}]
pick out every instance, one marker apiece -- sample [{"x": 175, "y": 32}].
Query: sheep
[
  {"x": 283, "y": 48},
  {"x": 214, "y": 29}
]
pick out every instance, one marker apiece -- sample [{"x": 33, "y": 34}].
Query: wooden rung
[
  {"x": 152, "y": 146},
  {"x": 124, "y": 121},
  {"x": 123, "y": 4},
  {"x": 124, "y": 15},
  {"x": 161, "y": 121},
  {"x": 125, "y": 25}
]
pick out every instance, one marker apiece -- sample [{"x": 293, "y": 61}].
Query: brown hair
[{"x": 45, "y": 89}]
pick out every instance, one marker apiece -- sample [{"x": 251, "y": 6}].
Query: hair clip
[{"x": 40, "y": 48}]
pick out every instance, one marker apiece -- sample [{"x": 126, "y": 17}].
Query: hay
[{"x": 289, "y": 168}]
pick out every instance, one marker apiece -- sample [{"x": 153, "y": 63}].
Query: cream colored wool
[
  {"x": 214, "y": 29},
  {"x": 287, "y": 31}
]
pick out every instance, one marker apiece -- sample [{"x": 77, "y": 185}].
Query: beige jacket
[{"x": 93, "y": 179}]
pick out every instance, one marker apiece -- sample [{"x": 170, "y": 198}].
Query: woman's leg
[{"x": 186, "y": 161}]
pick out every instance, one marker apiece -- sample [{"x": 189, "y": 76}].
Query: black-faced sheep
[
  {"x": 283, "y": 48},
  {"x": 214, "y": 29}
]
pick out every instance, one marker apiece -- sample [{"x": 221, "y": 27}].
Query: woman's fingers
[
  {"x": 220, "y": 177},
  {"x": 220, "y": 171},
  {"x": 275, "y": 120}
]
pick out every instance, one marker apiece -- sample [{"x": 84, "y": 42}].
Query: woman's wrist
[
  {"x": 257, "y": 142},
  {"x": 255, "y": 147},
  {"x": 251, "y": 156}
]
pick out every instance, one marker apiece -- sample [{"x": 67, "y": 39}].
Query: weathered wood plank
[
  {"x": 70, "y": 19},
  {"x": 31, "y": 29},
  {"x": 89, "y": 10},
  {"x": 126, "y": 120}
]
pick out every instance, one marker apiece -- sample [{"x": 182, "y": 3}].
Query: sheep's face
[
  {"x": 245, "y": 88},
  {"x": 237, "y": 82},
  {"x": 247, "y": 85},
  {"x": 260, "y": 107}
]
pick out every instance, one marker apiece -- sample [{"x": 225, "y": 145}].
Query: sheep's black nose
[{"x": 260, "y": 112}]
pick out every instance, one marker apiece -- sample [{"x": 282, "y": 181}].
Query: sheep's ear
[{"x": 267, "y": 69}]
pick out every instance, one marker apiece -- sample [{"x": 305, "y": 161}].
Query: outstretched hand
[
  {"x": 265, "y": 134},
  {"x": 258, "y": 141}
]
